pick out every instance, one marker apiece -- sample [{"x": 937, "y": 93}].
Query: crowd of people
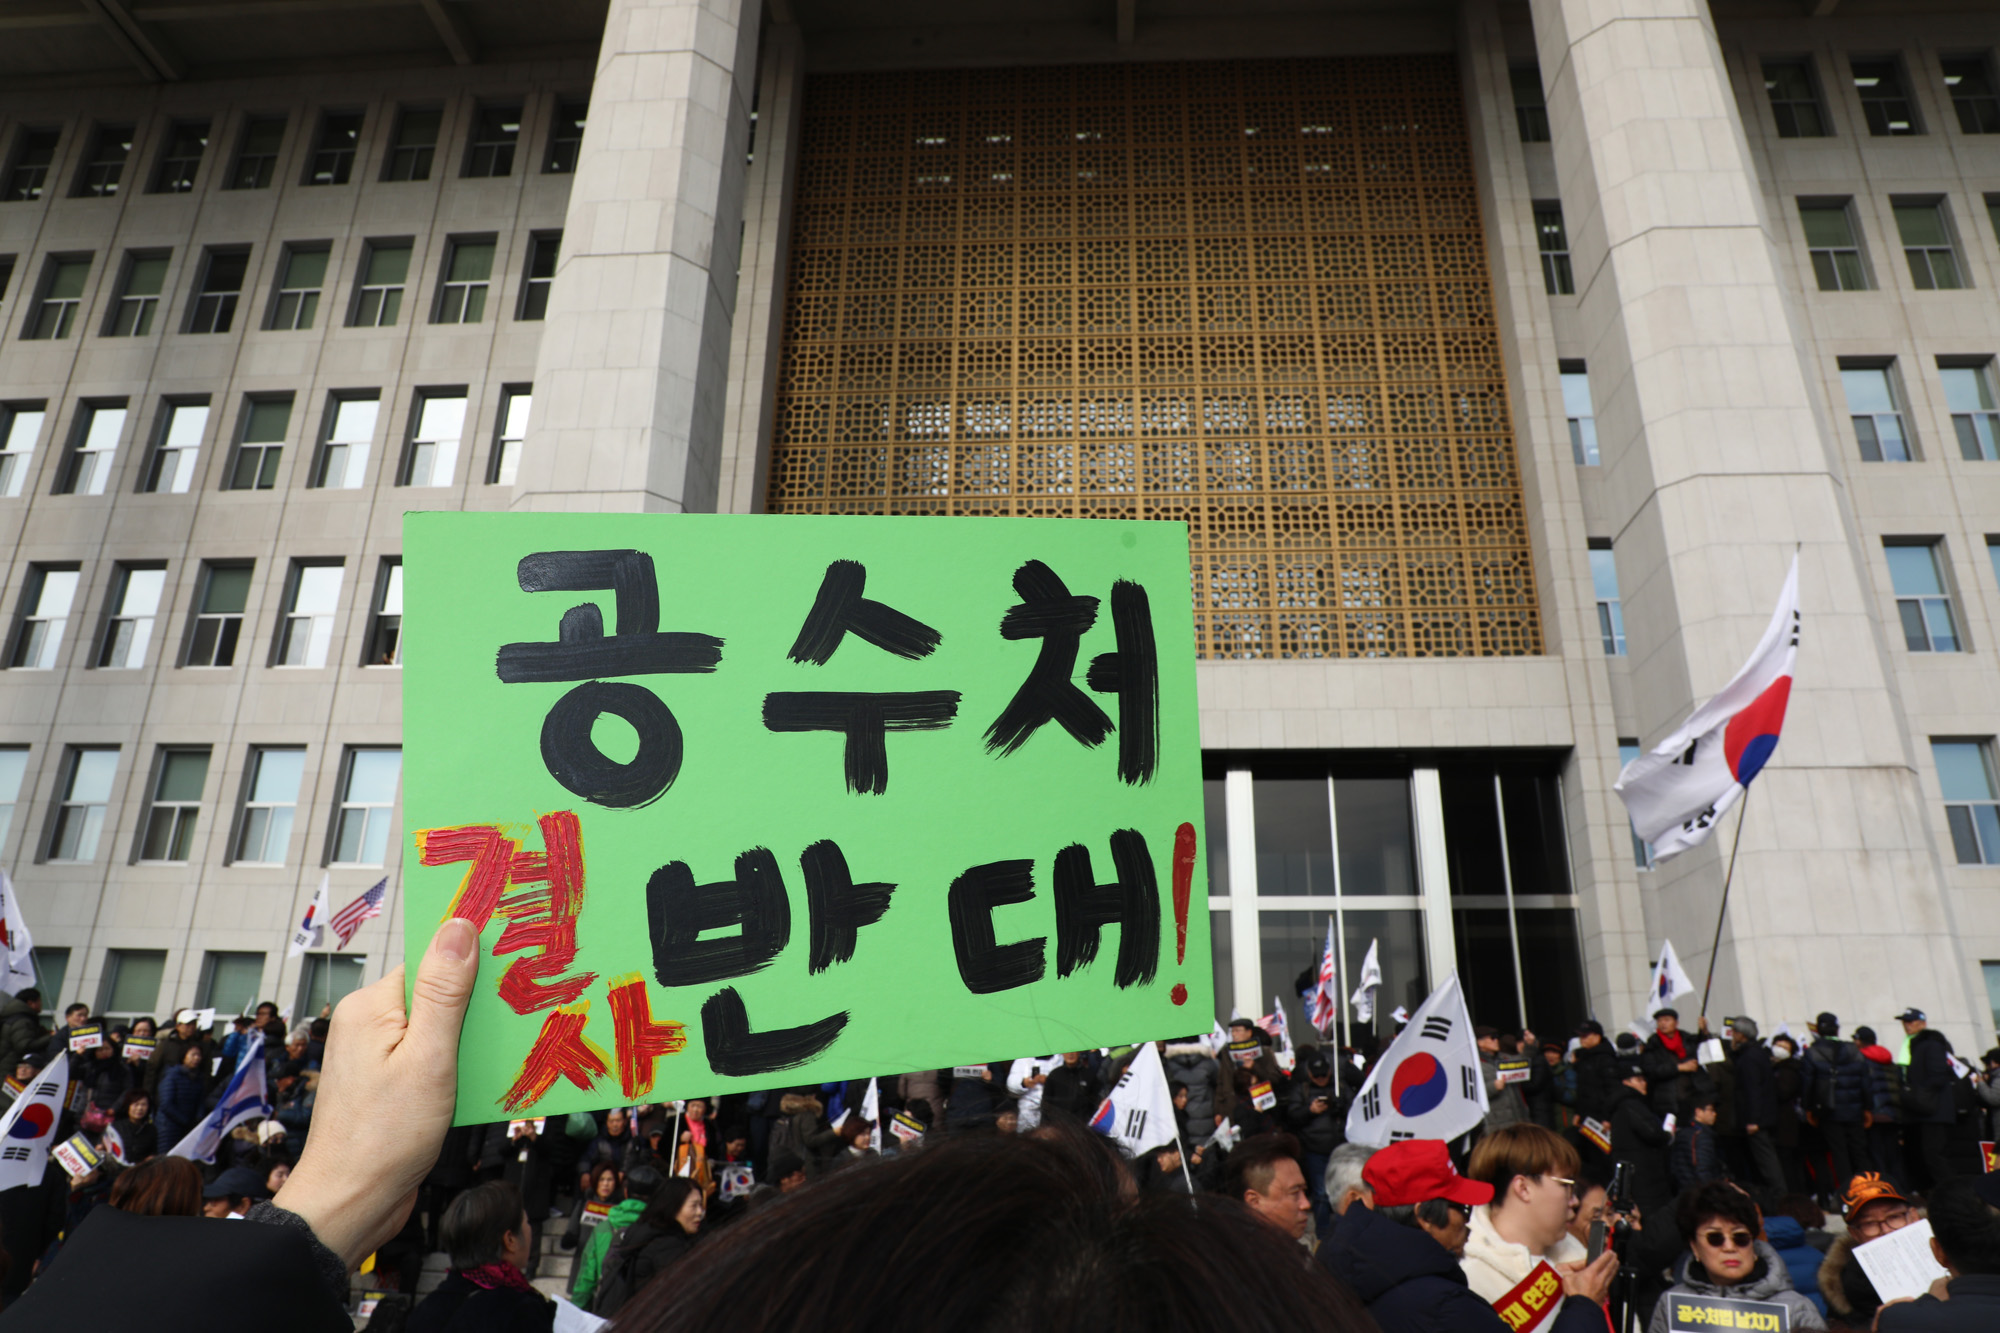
[{"x": 1631, "y": 1169}]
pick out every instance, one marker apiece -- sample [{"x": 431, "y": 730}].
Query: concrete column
[
  {"x": 1717, "y": 464},
  {"x": 632, "y": 373}
]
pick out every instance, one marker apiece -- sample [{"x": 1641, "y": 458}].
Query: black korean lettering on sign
[
  {"x": 736, "y": 1051},
  {"x": 837, "y": 907},
  {"x": 1050, "y": 612},
  {"x": 984, "y": 964},
  {"x": 583, "y": 652},
  {"x": 864, "y": 718},
  {"x": 1131, "y": 901}
]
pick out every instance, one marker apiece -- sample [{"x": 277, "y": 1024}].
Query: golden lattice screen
[{"x": 1250, "y": 294}]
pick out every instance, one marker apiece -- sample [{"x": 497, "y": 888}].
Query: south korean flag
[
  {"x": 1139, "y": 1113},
  {"x": 1427, "y": 1085}
]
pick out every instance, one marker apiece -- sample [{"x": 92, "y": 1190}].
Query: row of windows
[
  {"x": 302, "y": 635},
  {"x": 266, "y": 808},
  {"x": 375, "y": 299},
  {"x": 230, "y": 982},
  {"x": 1881, "y": 91},
  {"x": 1924, "y": 229},
  {"x": 432, "y": 441},
  {"x": 492, "y": 140}
]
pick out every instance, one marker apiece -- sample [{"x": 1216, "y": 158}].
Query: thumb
[{"x": 442, "y": 990}]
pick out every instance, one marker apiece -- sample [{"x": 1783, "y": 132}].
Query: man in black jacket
[
  {"x": 1315, "y": 1113},
  {"x": 1400, "y": 1256},
  {"x": 1836, "y": 1097},
  {"x": 1756, "y": 1100},
  {"x": 1668, "y": 1055},
  {"x": 1927, "y": 1100},
  {"x": 1596, "y": 1071},
  {"x": 1639, "y": 1136}
]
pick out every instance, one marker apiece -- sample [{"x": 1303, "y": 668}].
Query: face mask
[{"x": 1780, "y": 1053}]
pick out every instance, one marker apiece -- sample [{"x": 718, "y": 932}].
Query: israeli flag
[{"x": 246, "y": 1098}]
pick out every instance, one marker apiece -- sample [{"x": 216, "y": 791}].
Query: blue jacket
[
  {"x": 178, "y": 1104},
  {"x": 1412, "y": 1284},
  {"x": 1838, "y": 1087},
  {"x": 1788, "y": 1238}
]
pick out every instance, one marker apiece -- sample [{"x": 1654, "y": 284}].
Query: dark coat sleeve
[
  {"x": 181, "y": 1273},
  {"x": 1756, "y": 1087}
]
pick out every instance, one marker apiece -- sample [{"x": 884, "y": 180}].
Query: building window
[
  {"x": 332, "y": 161},
  {"x": 134, "y": 603},
  {"x": 301, "y": 279},
  {"x": 20, "y": 428},
  {"x": 6, "y": 274},
  {"x": 1581, "y": 416},
  {"x": 1993, "y": 214},
  {"x": 1876, "y": 409},
  {"x": 495, "y": 132},
  {"x": 462, "y": 294},
  {"x": 28, "y": 170},
  {"x": 1884, "y": 103},
  {"x": 327, "y": 979},
  {"x": 1968, "y": 393},
  {"x": 218, "y": 618},
  {"x": 514, "y": 405},
  {"x": 104, "y": 167},
  {"x": 13, "y": 769},
  {"x": 215, "y": 296},
  {"x": 1553, "y": 241},
  {"x": 1836, "y": 254},
  {"x": 138, "y": 296},
  {"x": 261, "y": 444},
  {"x": 1604, "y": 584},
  {"x": 177, "y": 447},
  {"x": 1794, "y": 99},
  {"x": 367, "y": 799},
  {"x": 86, "y": 795},
  {"x": 1922, "y": 603},
  {"x": 46, "y": 599},
  {"x": 93, "y": 449},
  {"x": 305, "y": 631},
  {"x": 1993, "y": 556},
  {"x": 1969, "y": 79},
  {"x": 415, "y": 144},
  {"x": 257, "y": 153},
  {"x": 566, "y": 137},
  {"x": 131, "y": 982},
  {"x": 1531, "y": 108},
  {"x": 1927, "y": 245},
  {"x": 54, "y": 312},
  {"x": 176, "y": 806},
  {"x": 230, "y": 982},
  {"x": 433, "y": 454},
  {"x": 1642, "y": 851},
  {"x": 271, "y": 798},
  {"x": 1971, "y": 799},
  {"x": 343, "y": 454},
  {"x": 385, "y": 632},
  {"x": 180, "y": 161},
  {"x": 541, "y": 275},
  {"x": 378, "y": 298}
]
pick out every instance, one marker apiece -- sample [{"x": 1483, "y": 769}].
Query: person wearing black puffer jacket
[
  {"x": 1596, "y": 1072},
  {"x": 1317, "y": 1113},
  {"x": 1885, "y": 1107},
  {"x": 1756, "y": 1100},
  {"x": 1639, "y": 1136},
  {"x": 1836, "y": 1099},
  {"x": 1927, "y": 1099}
]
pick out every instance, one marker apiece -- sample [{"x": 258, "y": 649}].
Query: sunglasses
[{"x": 1732, "y": 1240}]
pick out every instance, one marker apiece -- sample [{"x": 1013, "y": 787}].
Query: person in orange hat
[
  {"x": 1400, "y": 1255},
  {"x": 1874, "y": 1209}
]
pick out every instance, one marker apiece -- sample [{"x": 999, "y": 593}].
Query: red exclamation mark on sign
[{"x": 1183, "y": 891}]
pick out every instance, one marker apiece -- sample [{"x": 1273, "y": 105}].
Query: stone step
[{"x": 437, "y": 1261}]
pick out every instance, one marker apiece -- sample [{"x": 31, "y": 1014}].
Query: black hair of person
[
  {"x": 1433, "y": 1213},
  {"x": 986, "y": 1232},
  {"x": 667, "y": 1201},
  {"x": 1254, "y": 1162},
  {"x": 1716, "y": 1199},
  {"x": 475, "y": 1225},
  {"x": 1967, "y": 1230}
]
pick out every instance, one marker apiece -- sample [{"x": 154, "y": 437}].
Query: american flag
[
  {"x": 348, "y": 920},
  {"x": 1326, "y": 994}
]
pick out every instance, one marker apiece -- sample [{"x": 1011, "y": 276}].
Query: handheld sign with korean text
[
  {"x": 86, "y": 1038},
  {"x": 77, "y": 1156},
  {"x": 1513, "y": 1069},
  {"x": 1705, "y": 1314},
  {"x": 746, "y": 801}
]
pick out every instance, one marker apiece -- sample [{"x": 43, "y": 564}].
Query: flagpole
[
  {"x": 1722, "y": 913},
  {"x": 1181, "y": 1148}
]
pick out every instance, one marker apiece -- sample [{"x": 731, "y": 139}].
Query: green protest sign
[{"x": 748, "y": 801}]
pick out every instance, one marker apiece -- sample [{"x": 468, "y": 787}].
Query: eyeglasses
[
  {"x": 1462, "y": 1209},
  {"x": 1569, "y": 1185},
  {"x": 1728, "y": 1240}
]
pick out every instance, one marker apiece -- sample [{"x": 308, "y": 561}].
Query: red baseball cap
[{"x": 1418, "y": 1169}]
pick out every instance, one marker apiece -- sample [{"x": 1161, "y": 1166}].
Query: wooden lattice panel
[{"x": 1249, "y": 295}]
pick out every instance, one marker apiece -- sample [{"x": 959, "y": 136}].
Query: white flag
[
  {"x": 245, "y": 1098},
  {"x": 16, "y": 944},
  {"x": 28, "y": 1130},
  {"x": 1139, "y": 1113},
  {"x": 1427, "y": 1084},
  {"x": 1280, "y": 1030},
  {"x": 1216, "y": 1042},
  {"x": 1363, "y": 998},
  {"x": 312, "y": 929},
  {"x": 1678, "y": 792},
  {"x": 1670, "y": 981},
  {"x": 871, "y": 1111}
]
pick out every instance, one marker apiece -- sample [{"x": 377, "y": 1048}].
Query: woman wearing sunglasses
[{"x": 1726, "y": 1259}]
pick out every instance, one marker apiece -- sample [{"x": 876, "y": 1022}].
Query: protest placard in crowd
[
  {"x": 1689, "y": 1313},
  {"x": 741, "y": 801}
]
